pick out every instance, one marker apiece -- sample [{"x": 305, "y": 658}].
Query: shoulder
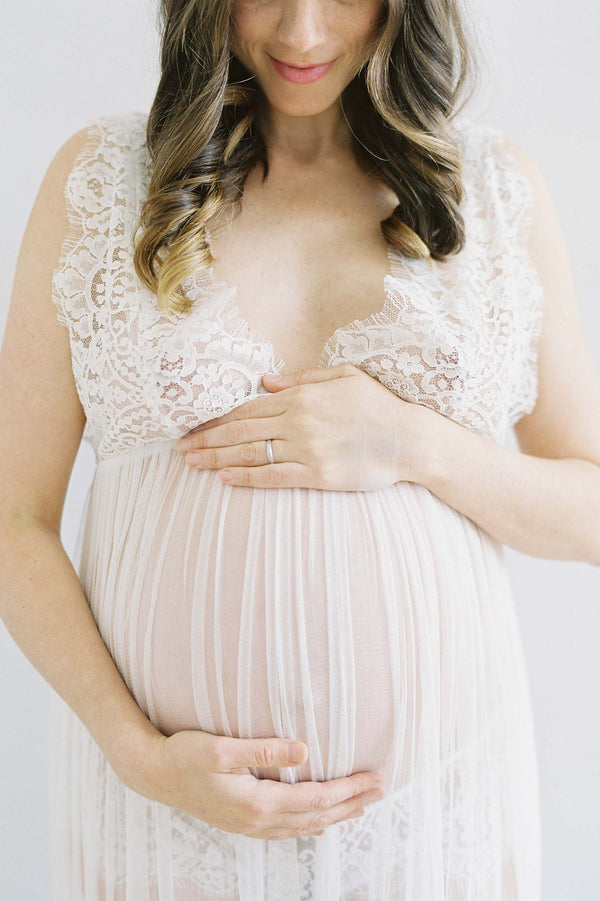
[
  {"x": 508, "y": 157},
  {"x": 502, "y": 180},
  {"x": 520, "y": 157},
  {"x": 108, "y": 155},
  {"x": 123, "y": 128},
  {"x": 489, "y": 151},
  {"x": 109, "y": 136},
  {"x": 124, "y": 131},
  {"x": 511, "y": 179},
  {"x": 482, "y": 141}
]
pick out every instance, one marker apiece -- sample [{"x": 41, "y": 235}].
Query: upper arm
[
  {"x": 565, "y": 421},
  {"x": 41, "y": 416}
]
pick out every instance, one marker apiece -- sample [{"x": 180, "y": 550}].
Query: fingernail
[
  {"x": 184, "y": 444},
  {"x": 296, "y": 753}
]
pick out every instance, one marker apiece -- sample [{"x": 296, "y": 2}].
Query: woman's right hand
[{"x": 208, "y": 777}]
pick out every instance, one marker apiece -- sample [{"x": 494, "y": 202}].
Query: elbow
[{"x": 18, "y": 519}]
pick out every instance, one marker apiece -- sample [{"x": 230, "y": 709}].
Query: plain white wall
[{"x": 67, "y": 61}]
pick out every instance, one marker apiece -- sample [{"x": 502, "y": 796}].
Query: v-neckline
[{"x": 383, "y": 315}]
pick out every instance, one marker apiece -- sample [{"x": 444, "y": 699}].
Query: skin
[
  {"x": 330, "y": 252},
  {"x": 42, "y": 602},
  {"x": 337, "y": 428},
  {"x": 541, "y": 501},
  {"x": 304, "y": 122}
]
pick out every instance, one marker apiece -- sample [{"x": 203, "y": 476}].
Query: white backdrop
[{"x": 66, "y": 61}]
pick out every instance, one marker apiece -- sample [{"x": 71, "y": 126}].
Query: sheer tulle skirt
[{"x": 378, "y": 627}]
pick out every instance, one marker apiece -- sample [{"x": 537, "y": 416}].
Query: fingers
[
  {"x": 315, "y": 822},
  {"x": 253, "y": 453},
  {"x": 311, "y": 812},
  {"x": 235, "y": 431},
  {"x": 311, "y": 796},
  {"x": 273, "y": 475},
  {"x": 279, "y": 810}
]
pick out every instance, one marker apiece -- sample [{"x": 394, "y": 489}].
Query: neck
[{"x": 305, "y": 139}]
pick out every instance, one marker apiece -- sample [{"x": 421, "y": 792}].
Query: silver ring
[{"x": 270, "y": 456}]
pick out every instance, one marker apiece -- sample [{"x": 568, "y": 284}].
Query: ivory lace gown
[{"x": 379, "y": 627}]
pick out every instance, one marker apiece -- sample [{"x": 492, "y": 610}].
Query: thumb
[{"x": 269, "y": 752}]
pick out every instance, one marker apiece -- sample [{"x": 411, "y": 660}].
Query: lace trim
[
  {"x": 459, "y": 337},
  {"x": 68, "y": 281},
  {"x": 525, "y": 394}
]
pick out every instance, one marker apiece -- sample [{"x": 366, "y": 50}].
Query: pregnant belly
[{"x": 373, "y": 626}]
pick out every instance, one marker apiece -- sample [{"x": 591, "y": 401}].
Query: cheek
[
  {"x": 359, "y": 24},
  {"x": 373, "y": 19},
  {"x": 355, "y": 23},
  {"x": 251, "y": 26}
]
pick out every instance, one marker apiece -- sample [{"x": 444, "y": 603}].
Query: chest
[
  {"x": 310, "y": 289},
  {"x": 299, "y": 276}
]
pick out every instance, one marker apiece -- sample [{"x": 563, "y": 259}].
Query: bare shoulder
[
  {"x": 41, "y": 416},
  {"x": 566, "y": 419},
  {"x": 525, "y": 160}
]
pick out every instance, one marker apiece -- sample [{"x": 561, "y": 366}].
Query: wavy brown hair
[{"x": 203, "y": 133}]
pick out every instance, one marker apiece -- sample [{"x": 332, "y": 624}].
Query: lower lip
[{"x": 301, "y": 76}]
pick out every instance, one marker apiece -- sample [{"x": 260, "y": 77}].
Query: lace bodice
[{"x": 459, "y": 337}]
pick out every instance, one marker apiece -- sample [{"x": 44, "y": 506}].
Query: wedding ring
[{"x": 270, "y": 456}]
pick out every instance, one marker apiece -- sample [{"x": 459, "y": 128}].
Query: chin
[{"x": 297, "y": 103}]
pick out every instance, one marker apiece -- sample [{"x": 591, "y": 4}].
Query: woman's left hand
[{"x": 335, "y": 428}]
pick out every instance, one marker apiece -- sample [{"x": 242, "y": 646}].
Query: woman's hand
[
  {"x": 208, "y": 777},
  {"x": 335, "y": 428}
]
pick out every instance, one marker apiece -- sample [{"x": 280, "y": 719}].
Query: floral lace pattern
[
  {"x": 459, "y": 337},
  {"x": 205, "y": 856}
]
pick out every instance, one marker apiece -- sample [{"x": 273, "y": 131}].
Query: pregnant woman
[{"x": 294, "y": 309}]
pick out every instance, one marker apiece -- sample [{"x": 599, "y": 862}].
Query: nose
[{"x": 302, "y": 27}]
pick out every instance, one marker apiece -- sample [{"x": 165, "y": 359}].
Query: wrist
[
  {"x": 421, "y": 462},
  {"x": 133, "y": 756},
  {"x": 142, "y": 770}
]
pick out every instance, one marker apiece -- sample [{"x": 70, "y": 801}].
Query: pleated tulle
[{"x": 378, "y": 627}]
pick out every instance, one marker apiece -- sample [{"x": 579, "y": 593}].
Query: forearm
[
  {"x": 539, "y": 506},
  {"x": 45, "y": 610}
]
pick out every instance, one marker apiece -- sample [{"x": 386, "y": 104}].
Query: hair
[{"x": 203, "y": 133}]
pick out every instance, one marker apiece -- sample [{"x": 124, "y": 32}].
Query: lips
[
  {"x": 298, "y": 66},
  {"x": 300, "y": 74}
]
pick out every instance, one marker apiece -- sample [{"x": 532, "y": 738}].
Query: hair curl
[{"x": 203, "y": 133}]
